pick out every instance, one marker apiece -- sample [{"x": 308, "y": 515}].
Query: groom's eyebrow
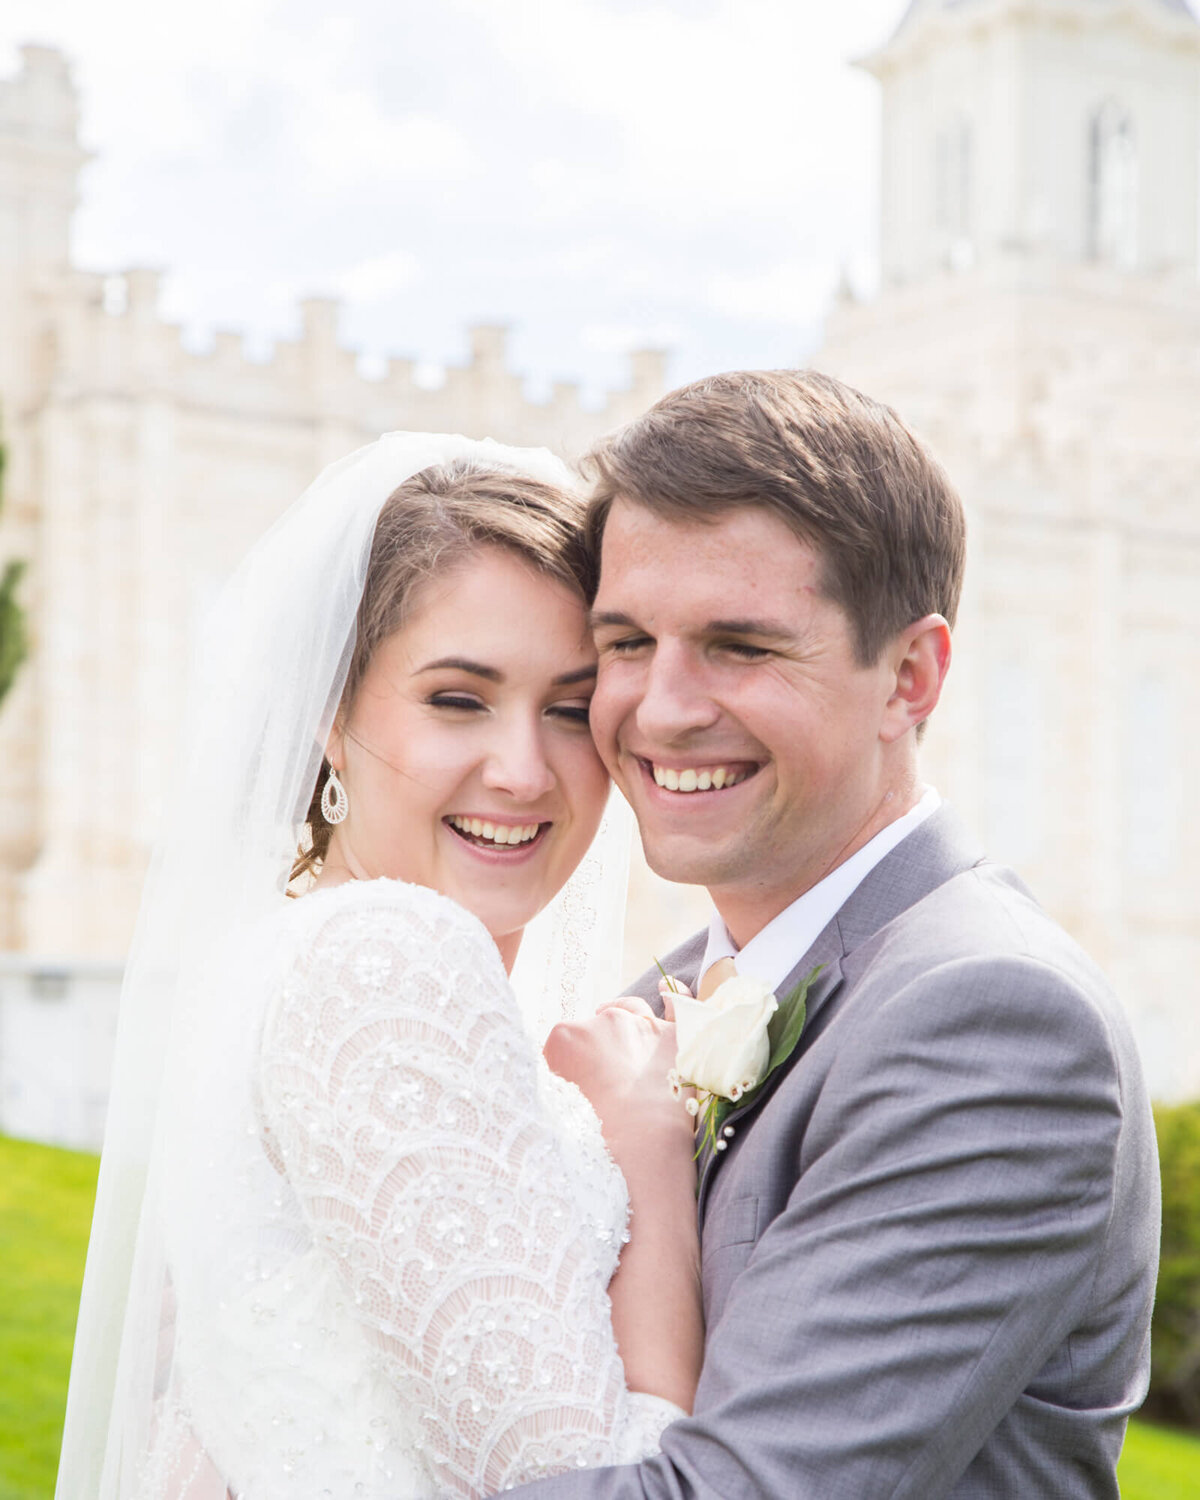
[{"x": 770, "y": 628}]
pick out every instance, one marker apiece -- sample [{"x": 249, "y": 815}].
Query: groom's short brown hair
[{"x": 842, "y": 471}]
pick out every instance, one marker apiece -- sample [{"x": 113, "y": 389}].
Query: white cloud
[
  {"x": 382, "y": 276},
  {"x": 797, "y": 292},
  {"x": 622, "y": 338},
  {"x": 730, "y": 109},
  {"x": 347, "y": 141}
]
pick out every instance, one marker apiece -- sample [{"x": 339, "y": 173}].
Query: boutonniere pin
[{"x": 729, "y": 1045}]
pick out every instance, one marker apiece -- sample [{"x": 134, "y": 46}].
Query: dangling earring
[{"x": 334, "y": 802}]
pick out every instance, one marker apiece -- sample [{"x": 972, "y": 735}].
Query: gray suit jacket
[{"x": 930, "y": 1248}]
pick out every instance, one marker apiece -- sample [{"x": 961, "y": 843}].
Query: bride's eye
[
  {"x": 459, "y": 701},
  {"x": 573, "y": 713}
]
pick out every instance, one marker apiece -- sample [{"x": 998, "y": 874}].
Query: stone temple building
[{"x": 1038, "y": 320}]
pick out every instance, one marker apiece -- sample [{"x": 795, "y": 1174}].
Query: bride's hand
[{"x": 620, "y": 1058}]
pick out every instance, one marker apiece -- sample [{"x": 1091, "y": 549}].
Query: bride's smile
[{"x": 465, "y": 753}]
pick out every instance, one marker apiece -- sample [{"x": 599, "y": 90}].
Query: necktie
[{"x": 715, "y": 974}]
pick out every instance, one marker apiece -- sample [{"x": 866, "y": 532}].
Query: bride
[{"x": 352, "y": 1238}]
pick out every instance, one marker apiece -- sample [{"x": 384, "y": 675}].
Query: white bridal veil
[{"x": 272, "y": 664}]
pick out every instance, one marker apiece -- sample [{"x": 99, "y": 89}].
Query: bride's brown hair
[{"x": 429, "y": 525}]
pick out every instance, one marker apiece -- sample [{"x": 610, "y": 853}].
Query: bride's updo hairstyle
[{"x": 429, "y": 526}]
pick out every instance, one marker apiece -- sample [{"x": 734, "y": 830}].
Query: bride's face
[{"x": 466, "y": 754}]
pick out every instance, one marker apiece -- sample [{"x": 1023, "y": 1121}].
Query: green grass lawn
[
  {"x": 45, "y": 1208},
  {"x": 1160, "y": 1464}
]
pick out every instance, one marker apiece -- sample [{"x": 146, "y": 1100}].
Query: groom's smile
[
  {"x": 730, "y": 706},
  {"x": 690, "y": 779}
]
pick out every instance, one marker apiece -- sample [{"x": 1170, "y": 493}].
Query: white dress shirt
[{"x": 772, "y": 954}]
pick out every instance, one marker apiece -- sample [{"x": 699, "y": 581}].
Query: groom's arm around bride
[{"x": 929, "y": 1242}]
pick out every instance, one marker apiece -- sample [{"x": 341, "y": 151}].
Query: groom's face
[{"x": 730, "y": 708}]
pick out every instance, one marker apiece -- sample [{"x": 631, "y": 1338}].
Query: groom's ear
[{"x": 920, "y": 658}]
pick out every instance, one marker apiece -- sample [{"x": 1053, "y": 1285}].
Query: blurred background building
[{"x": 1038, "y": 321}]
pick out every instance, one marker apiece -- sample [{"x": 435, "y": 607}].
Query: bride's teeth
[
  {"x": 687, "y": 781},
  {"x": 704, "y": 781},
  {"x": 496, "y": 833},
  {"x": 718, "y": 777},
  {"x": 671, "y": 780},
  {"x": 660, "y": 776}
]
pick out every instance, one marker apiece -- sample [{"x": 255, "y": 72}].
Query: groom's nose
[{"x": 676, "y": 695}]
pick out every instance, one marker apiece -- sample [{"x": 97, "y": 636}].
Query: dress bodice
[{"x": 399, "y": 1285}]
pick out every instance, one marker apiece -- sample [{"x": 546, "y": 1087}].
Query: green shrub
[{"x": 1175, "y": 1333}]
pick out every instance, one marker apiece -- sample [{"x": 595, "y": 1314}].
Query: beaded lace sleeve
[{"x": 474, "y": 1233}]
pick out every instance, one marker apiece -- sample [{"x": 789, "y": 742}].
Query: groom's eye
[
  {"x": 745, "y": 650},
  {"x": 625, "y": 645}
]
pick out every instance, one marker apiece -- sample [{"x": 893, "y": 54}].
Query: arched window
[
  {"x": 952, "y": 191},
  {"x": 952, "y": 172},
  {"x": 1112, "y": 187}
]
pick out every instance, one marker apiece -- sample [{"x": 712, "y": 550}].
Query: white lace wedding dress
[{"x": 400, "y": 1290}]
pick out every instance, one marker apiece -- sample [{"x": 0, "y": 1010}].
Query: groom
[{"x": 929, "y": 1243}]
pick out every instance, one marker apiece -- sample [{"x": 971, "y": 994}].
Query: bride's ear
[{"x": 335, "y": 746}]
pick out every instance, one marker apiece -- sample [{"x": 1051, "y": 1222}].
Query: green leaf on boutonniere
[{"x": 783, "y": 1033}]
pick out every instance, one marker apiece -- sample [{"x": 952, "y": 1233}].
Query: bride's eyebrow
[
  {"x": 493, "y": 674},
  {"x": 461, "y": 664}
]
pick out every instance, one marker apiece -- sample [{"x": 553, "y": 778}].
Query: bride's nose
[{"x": 516, "y": 762}]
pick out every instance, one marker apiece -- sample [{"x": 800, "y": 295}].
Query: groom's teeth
[{"x": 691, "y": 780}]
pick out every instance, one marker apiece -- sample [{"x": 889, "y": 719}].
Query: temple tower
[{"x": 1038, "y": 320}]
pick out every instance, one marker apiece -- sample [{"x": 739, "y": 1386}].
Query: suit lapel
[{"x": 934, "y": 852}]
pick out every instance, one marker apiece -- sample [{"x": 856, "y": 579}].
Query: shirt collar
[{"x": 771, "y": 954}]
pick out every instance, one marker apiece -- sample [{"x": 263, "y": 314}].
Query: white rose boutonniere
[
  {"x": 729, "y": 1045},
  {"x": 721, "y": 1043}
]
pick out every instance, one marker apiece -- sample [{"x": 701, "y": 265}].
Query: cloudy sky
[{"x": 597, "y": 174}]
